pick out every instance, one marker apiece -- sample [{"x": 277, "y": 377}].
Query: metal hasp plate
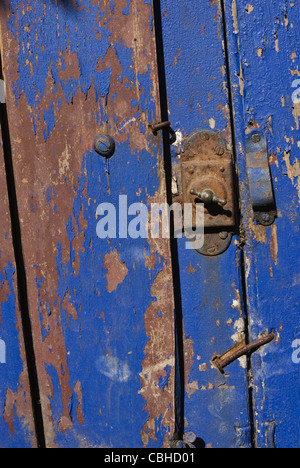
[
  {"x": 207, "y": 177},
  {"x": 258, "y": 170}
]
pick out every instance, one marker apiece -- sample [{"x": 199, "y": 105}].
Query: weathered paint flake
[
  {"x": 267, "y": 45},
  {"x": 17, "y": 429},
  {"x": 116, "y": 270},
  {"x": 293, "y": 172}
]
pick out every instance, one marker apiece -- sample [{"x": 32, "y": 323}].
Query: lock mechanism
[{"x": 206, "y": 175}]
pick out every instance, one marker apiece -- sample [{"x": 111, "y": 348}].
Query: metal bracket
[
  {"x": 259, "y": 175},
  {"x": 206, "y": 176}
]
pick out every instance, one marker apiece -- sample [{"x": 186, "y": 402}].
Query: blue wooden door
[
  {"x": 122, "y": 331},
  {"x": 101, "y": 309}
]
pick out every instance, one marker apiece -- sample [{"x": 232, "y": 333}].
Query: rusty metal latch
[
  {"x": 206, "y": 175},
  {"x": 259, "y": 175}
]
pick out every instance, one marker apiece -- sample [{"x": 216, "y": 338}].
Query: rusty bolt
[{"x": 105, "y": 146}]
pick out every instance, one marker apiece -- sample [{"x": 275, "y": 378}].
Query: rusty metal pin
[
  {"x": 164, "y": 125},
  {"x": 232, "y": 355},
  {"x": 160, "y": 126}
]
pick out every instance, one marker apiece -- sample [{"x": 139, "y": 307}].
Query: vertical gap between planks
[
  {"x": 242, "y": 257},
  {"x": 21, "y": 274},
  {"x": 178, "y": 318}
]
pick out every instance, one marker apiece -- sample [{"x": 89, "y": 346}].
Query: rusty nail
[{"x": 233, "y": 354}]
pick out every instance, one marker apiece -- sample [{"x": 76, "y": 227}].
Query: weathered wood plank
[
  {"x": 264, "y": 50},
  {"x": 101, "y": 310},
  {"x": 17, "y": 427},
  {"x": 216, "y": 406}
]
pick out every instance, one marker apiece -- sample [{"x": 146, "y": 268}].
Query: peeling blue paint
[
  {"x": 125, "y": 11},
  {"x": 265, "y": 53},
  {"x": 195, "y": 78},
  {"x": 105, "y": 356},
  {"x": 103, "y": 333},
  {"x": 12, "y": 368},
  {"x": 49, "y": 120},
  {"x": 34, "y": 64},
  {"x": 163, "y": 382}
]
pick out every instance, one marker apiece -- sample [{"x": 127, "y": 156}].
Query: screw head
[
  {"x": 190, "y": 437},
  {"x": 105, "y": 146},
  {"x": 266, "y": 217},
  {"x": 256, "y": 138},
  {"x": 223, "y": 235},
  {"x": 220, "y": 150}
]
